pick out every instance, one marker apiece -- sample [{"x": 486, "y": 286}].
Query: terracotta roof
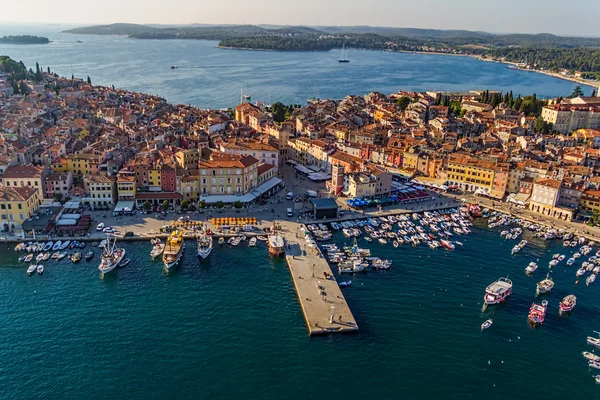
[
  {"x": 17, "y": 193},
  {"x": 23, "y": 171}
]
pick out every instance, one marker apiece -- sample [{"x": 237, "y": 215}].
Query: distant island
[
  {"x": 545, "y": 52},
  {"x": 24, "y": 39}
]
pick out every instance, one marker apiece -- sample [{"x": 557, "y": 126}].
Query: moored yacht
[
  {"x": 112, "y": 256},
  {"x": 537, "y": 313},
  {"x": 544, "y": 286},
  {"x": 498, "y": 291},
  {"x": 173, "y": 249},
  {"x": 204, "y": 244},
  {"x": 276, "y": 244},
  {"x": 567, "y": 304}
]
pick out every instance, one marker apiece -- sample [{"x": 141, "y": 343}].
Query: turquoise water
[
  {"x": 231, "y": 327},
  {"x": 212, "y": 78}
]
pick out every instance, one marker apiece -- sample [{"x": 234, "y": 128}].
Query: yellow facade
[
  {"x": 471, "y": 174},
  {"x": 18, "y": 204},
  {"x": 154, "y": 177},
  {"x": 126, "y": 189},
  {"x": 79, "y": 164},
  {"x": 59, "y": 166}
]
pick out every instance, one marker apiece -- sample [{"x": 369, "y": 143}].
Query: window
[{"x": 20, "y": 206}]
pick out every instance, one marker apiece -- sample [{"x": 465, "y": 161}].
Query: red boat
[
  {"x": 447, "y": 244},
  {"x": 567, "y": 304},
  {"x": 537, "y": 313},
  {"x": 474, "y": 210}
]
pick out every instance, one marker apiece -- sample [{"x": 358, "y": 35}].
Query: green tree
[
  {"x": 58, "y": 196},
  {"x": 219, "y": 204},
  {"x": 202, "y": 204},
  {"x": 89, "y": 80},
  {"x": 185, "y": 205},
  {"x": 577, "y": 92},
  {"x": 72, "y": 77},
  {"x": 38, "y": 72},
  {"x": 539, "y": 125},
  {"x": 48, "y": 69},
  {"x": 237, "y": 204},
  {"x": 22, "y": 87},
  {"x": 279, "y": 111},
  {"x": 403, "y": 102},
  {"x": 595, "y": 218},
  {"x": 165, "y": 205},
  {"x": 147, "y": 206}
]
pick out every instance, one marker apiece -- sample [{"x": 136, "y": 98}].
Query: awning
[
  {"x": 266, "y": 186},
  {"x": 72, "y": 205},
  {"x": 303, "y": 169},
  {"x": 228, "y": 198},
  {"x": 319, "y": 176},
  {"x": 122, "y": 205},
  {"x": 497, "y": 194}
]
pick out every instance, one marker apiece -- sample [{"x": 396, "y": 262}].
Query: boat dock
[{"x": 322, "y": 301}]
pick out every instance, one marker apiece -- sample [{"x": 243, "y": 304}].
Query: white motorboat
[
  {"x": 590, "y": 356},
  {"x": 40, "y": 269},
  {"x": 580, "y": 272},
  {"x": 262, "y": 238},
  {"x": 544, "y": 286},
  {"x": 487, "y": 324},
  {"x": 61, "y": 255},
  {"x": 498, "y": 291},
  {"x": 48, "y": 246},
  {"x": 157, "y": 249},
  {"x": 102, "y": 244},
  {"x": 345, "y": 284},
  {"x": 31, "y": 269},
  {"x": 590, "y": 280},
  {"x": 112, "y": 256},
  {"x": 594, "y": 341},
  {"x": 552, "y": 263},
  {"x": 531, "y": 268},
  {"x": 205, "y": 244},
  {"x": 252, "y": 242}
]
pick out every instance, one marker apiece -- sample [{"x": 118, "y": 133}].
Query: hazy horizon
[{"x": 534, "y": 16}]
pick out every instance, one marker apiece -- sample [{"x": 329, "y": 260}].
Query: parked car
[
  {"x": 108, "y": 229},
  {"x": 100, "y": 226}
]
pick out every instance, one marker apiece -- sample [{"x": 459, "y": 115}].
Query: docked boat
[
  {"x": 48, "y": 246},
  {"x": 56, "y": 245},
  {"x": 173, "y": 249},
  {"x": 61, "y": 255},
  {"x": 595, "y": 365},
  {"x": 262, "y": 238},
  {"x": 590, "y": 280},
  {"x": 590, "y": 356},
  {"x": 28, "y": 258},
  {"x": 345, "y": 284},
  {"x": 544, "y": 286},
  {"x": 487, "y": 324},
  {"x": 447, "y": 244},
  {"x": 75, "y": 258},
  {"x": 593, "y": 341},
  {"x": 537, "y": 313},
  {"x": 567, "y": 304},
  {"x": 530, "y": 269},
  {"x": 157, "y": 248},
  {"x": 40, "y": 269},
  {"x": 252, "y": 242},
  {"x": 112, "y": 256},
  {"x": 205, "y": 244},
  {"x": 31, "y": 269},
  {"x": 89, "y": 255},
  {"x": 221, "y": 240},
  {"x": 102, "y": 244},
  {"x": 498, "y": 291},
  {"x": 46, "y": 256},
  {"x": 276, "y": 244}
]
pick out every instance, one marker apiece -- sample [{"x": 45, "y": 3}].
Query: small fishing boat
[
  {"x": 594, "y": 341},
  {"x": 345, "y": 284},
  {"x": 89, "y": 255},
  {"x": 76, "y": 257},
  {"x": 61, "y": 255},
  {"x": 487, "y": 324},
  {"x": 590, "y": 356},
  {"x": 40, "y": 269},
  {"x": 46, "y": 256},
  {"x": 31, "y": 269},
  {"x": 28, "y": 258},
  {"x": 39, "y": 257},
  {"x": 262, "y": 238},
  {"x": 221, "y": 240},
  {"x": 252, "y": 242},
  {"x": 395, "y": 243},
  {"x": 537, "y": 313},
  {"x": 447, "y": 244},
  {"x": 597, "y": 378},
  {"x": 368, "y": 239},
  {"x": 544, "y": 286},
  {"x": 157, "y": 248},
  {"x": 567, "y": 304},
  {"x": 590, "y": 280},
  {"x": 530, "y": 269},
  {"x": 48, "y": 246},
  {"x": 382, "y": 241},
  {"x": 594, "y": 364},
  {"x": 56, "y": 245}
]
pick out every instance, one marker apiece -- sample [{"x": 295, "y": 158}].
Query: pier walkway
[{"x": 323, "y": 304}]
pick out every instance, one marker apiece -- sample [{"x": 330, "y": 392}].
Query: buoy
[
  {"x": 577, "y": 282},
  {"x": 519, "y": 337},
  {"x": 489, "y": 363}
]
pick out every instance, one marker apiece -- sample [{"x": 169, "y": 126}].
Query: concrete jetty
[{"x": 323, "y": 304}]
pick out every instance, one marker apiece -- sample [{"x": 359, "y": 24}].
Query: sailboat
[{"x": 344, "y": 56}]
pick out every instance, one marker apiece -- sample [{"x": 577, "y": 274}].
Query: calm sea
[
  {"x": 210, "y": 77},
  {"x": 231, "y": 327}
]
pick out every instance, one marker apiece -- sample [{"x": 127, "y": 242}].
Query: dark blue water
[
  {"x": 231, "y": 327},
  {"x": 210, "y": 77}
]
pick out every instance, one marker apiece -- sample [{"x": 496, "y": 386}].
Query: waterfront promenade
[{"x": 321, "y": 299}]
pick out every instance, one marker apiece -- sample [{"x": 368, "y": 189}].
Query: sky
[{"x": 519, "y": 16}]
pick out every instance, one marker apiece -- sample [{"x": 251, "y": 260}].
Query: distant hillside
[{"x": 112, "y": 29}]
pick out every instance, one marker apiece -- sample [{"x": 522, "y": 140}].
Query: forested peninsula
[
  {"x": 540, "y": 51},
  {"x": 24, "y": 39}
]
